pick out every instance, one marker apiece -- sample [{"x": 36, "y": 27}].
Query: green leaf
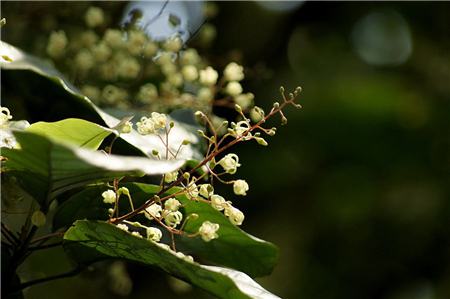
[
  {"x": 29, "y": 66},
  {"x": 234, "y": 248},
  {"x": 77, "y": 132},
  {"x": 47, "y": 169},
  {"x": 89, "y": 241}
]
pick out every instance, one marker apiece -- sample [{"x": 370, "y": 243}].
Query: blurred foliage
[{"x": 360, "y": 205}]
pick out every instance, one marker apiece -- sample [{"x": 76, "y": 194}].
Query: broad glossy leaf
[
  {"x": 73, "y": 131},
  {"x": 89, "y": 241},
  {"x": 25, "y": 63},
  {"x": 234, "y": 248},
  {"x": 47, "y": 168}
]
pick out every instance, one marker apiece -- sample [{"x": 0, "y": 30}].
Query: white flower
[
  {"x": 160, "y": 120},
  {"x": 205, "y": 94},
  {"x": 150, "y": 49},
  {"x": 57, "y": 44},
  {"x": 147, "y": 93},
  {"x": 234, "y": 215},
  {"x": 190, "y": 56},
  {"x": 109, "y": 196},
  {"x": 136, "y": 41},
  {"x": 173, "y": 44},
  {"x": 146, "y": 126},
  {"x": 233, "y": 72},
  {"x": 154, "y": 234},
  {"x": 113, "y": 94},
  {"x": 171, "y": 176},
  {"x": 5, "y": 116},
  {"x": 218, "y": 202},
  {"x": 84, "y": 60},
  {"x": 94, "y": 17},
  {"x": 230, "y": 163},
  {"x": 122, "y": 226},
  {"x": 101, "y": 52},
  {"x": 172, "y": 204},
  {"x": 129, "y": 68},
  {"x": 206, "y": 190},
  {"x": 114, "y": 38},
  {"x": 240, "y": 128},
  {"x": 192, "y": 191},
  {"x": 88, "y": 38},
  {"x": 257, "y": 114},
  {"x": 208, "y": 76},
  {"x": 233, "y": 88},
  {"x": 176, "y": 79},
  {"x": 153, "y": 211},
  {"x": 136, "y": 234},
  {"x": 172, "y": 219},
  {"x": 240, "y": 187},
  {"x": 189, "y": 72},
  {"x": 208, "y": 231},
  {"x": 126, "y": 128},
  {"x": 245, "y": 100}
]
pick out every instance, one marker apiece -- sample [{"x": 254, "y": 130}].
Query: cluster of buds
[
  {"x": 167, "y": 211},
  {"x": 105, "y": 56}
]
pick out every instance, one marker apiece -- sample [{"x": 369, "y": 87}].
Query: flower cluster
[
  {"x": 156, "y": 75},
  {"x": 167, "y": 212}
]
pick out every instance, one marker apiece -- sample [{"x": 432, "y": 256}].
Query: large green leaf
[
  {"x": 46, "y": 168},
  {"x": 234, "y": 247},
  {"x": 89, "y": 241},
  {"x": 77, "y": 132},
  {"x": 24, "y": 64}
]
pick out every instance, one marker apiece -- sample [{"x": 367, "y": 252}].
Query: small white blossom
[
  {"x": 136, "y": 41},
  {"x": 153, "y": 211},
  {"x": 173, "y": 44},
  {"x": 230, "y": 163},
  {"x": 172, "y": 204},
  {"x": 233, "y": 72},
  {"x": 94, "y": 17},
  {"x": 154, "y": 234},
  {"x": 129, "y": 68},
  {"x": 150, "y": 49},
  {"x": 192, "y": 191},
  {"x": 160, "y": 120},
  {"x": 114, "y": 38},
  {"x": 208, "y": 76},
  {"x": 122, "y": 226},
  {"x": 218, "y": 202},
  {"x": 233, "y": 88},
  {"x": 176, "y": 79},
  {"x": 240, "y": 187},
  {"x": 5, "y": 116},
  {"x": 205, "y": 94},
  {"x": 208, "y": 231},
  {"x": 257, "y": 114},
  {"x": 245, "y": 100},
  {"x": 240, "y": 128},
  {"x": 127, "y": 127},
  {"x": 102, "y": 52},
  {"x": 113, "y": 94},
  {"x": 109, "y": 196},
  {"x": 88, "y": 38},
  {"x": 171, "y": 176},
  {"x": 146, "y": 126},
  {"x": 84, "y": 60},
  {"x": 57, "y": 44},
  {"x": 147, "y": 93},
  {"x": 234, "y": 215},
  {"x": 172, "y": 219},
  {"x": 206, "y": 190},
  {"x": 190, "y": 57},
  {"x": 189, "y": 72}
]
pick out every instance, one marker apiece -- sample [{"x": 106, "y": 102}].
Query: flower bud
[
  {"x": 240, "y": 187},
  {"x": 261, "y": 141}
]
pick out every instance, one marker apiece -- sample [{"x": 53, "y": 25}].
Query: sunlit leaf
[
  {"x": 47, "y": 169},
  {"x": 89, "y": 241},
  {"x": 234, "y": 247}
]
